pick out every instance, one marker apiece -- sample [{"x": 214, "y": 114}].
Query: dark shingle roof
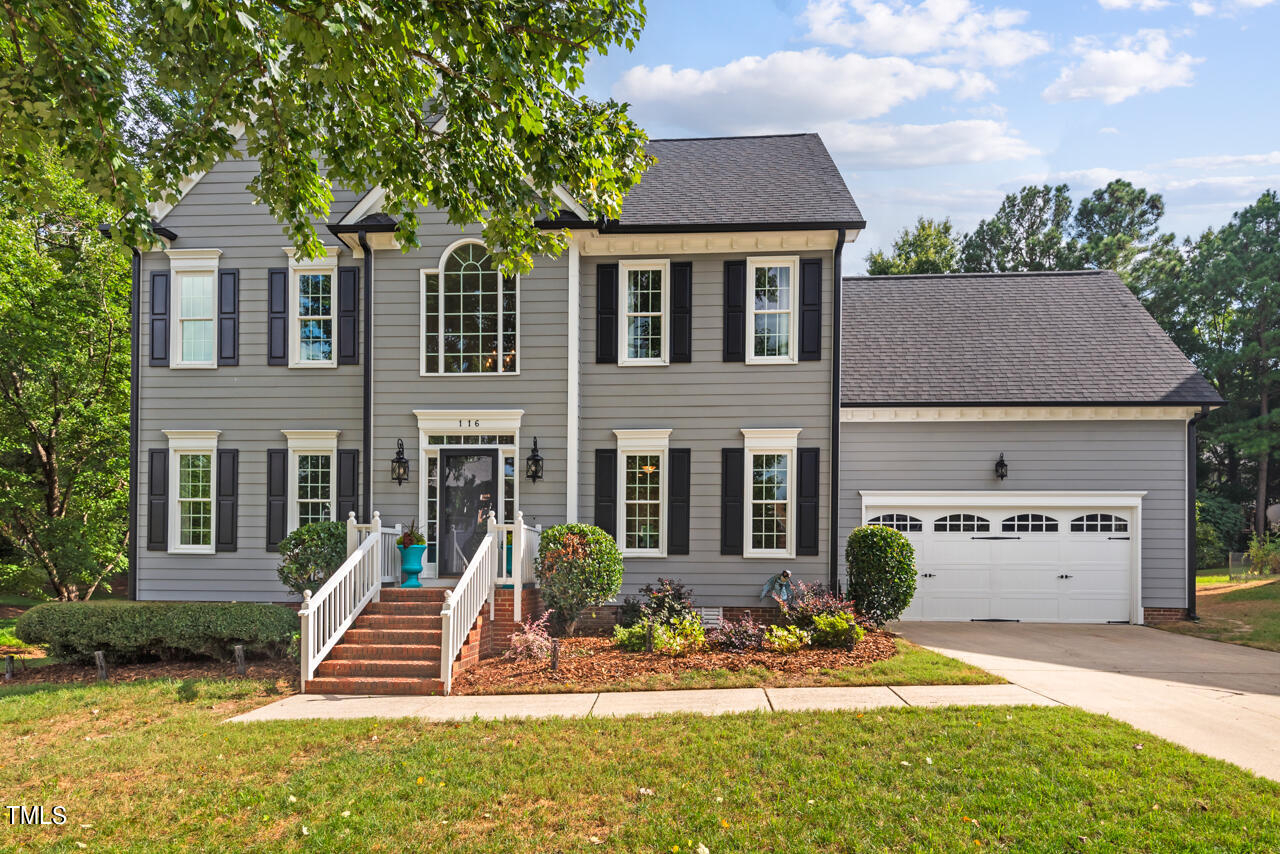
[
  {"x": 751, "y": 181},
  {"x": 1008, "y": 338}
]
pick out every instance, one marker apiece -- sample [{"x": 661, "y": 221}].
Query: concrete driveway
[{"x": 1214, "y": 698}]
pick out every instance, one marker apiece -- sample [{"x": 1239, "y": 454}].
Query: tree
[
  {"x": 928, "y": 248},
  {"x": 1117, "y": 225},
  {"x": 467, "y": 105},
  {"x": 64, "y": 382},
  {"x": 1028, "y": 233}
]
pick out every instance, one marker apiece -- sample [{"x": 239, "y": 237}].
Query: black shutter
[
  {"x": 160, "y": 319},
  {"x": 607, "y": 313},
  {"x": 807, "y": 501},
  {"x": 682, "y": 313},
  {"x": 811, "y": 310},
  {"x": 228, "y": 317},
  {"x": 348, "y": 316},
  {"x": 228, "y": 498},
  {"x": 607, "y": 491},
  {"x": 348, "y": 480},
  {"x": 731, "y": 509},
  {"x": 278, "y": 316},
  {"x": 678, "y": 465},
  {"x": 277, "y": 496},
  {"x": 735, "y": 313},
  {"x": 157, "y": 500}
]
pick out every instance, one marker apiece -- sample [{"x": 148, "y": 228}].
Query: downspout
[
  {"x": 366, "y": 470},
  {"x": 135, "y": 350},
  {"x": 1193, "y": 459},
  {"x": 837, "y": 297}
]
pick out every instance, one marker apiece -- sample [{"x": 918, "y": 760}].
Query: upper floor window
[
  {"x": 469, "y": 315},
  {"x": 312, "y": 310},
  {"x": 645, "y": 299},
  {"x": 191, "y": 477},
  {"x": 771, "y": 314},
  {"x": 194, "y": 276}
]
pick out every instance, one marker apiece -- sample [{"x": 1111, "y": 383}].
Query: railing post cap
[
  {"x": 377, "y": 514},
  {"x": 351, "y": 514},
  {"x": 306, "y": 596}
]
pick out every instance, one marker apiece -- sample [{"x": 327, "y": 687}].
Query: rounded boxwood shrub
[
  {"x": 130, "y": 631},
  {"x": 882, "y": 572},
  {"x": 578, "y": 566},
  {"x": 312, "y": 553}
]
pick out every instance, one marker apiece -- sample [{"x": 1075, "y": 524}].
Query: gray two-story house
[{"x": 699, "y": 381}]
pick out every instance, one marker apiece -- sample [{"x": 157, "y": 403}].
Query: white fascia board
[
  {"x": 690, "y": 243},
  {"x": 997, "y": 498},
  {"x": 906, "y": 414},
  {"x": 370, "y": 202}
]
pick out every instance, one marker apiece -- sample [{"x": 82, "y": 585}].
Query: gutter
[
  {"x": 837, "y": 297},
  {"x": 1193, "y": 457},
  {"x": 366, "y": 470},
  {"x": 135, "y": 349}
]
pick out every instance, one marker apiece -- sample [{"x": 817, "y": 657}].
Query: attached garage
[{"x": 1030, "y": 555}]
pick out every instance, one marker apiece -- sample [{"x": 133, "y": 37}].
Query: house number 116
[{"x": 468, "y": 422}]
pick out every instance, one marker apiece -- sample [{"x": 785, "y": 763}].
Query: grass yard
[
  {"x": 1223, "y": 575},
  {"x": 10, "y": 607},
  {"x": 151, "y": 766},
  {"x": 1249, "y": 616}
]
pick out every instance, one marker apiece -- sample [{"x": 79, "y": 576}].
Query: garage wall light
[{"x": 1002, "y": 468}]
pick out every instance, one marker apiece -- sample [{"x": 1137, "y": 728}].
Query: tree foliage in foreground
[
  {"x": 467, "y": 105},
  {"x": 64, "y": 383}
]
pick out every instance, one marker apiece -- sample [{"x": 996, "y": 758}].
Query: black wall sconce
[
  {"x": 1002, "y": 468},
  {"x": 533, "y": 463},
  {"x": 399, "y": 465}
]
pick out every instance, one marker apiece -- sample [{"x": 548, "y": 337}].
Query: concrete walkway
[
  {"x": 1215, "y": 698},
  {"x": 621, "y": 704}
]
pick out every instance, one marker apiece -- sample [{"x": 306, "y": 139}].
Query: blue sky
[{"x": 940, "y": 108}]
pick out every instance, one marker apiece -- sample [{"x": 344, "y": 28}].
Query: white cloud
[
  {"x": 1227, "y": 161},
  {"x": 1141, "y": 63},
  {"x": 889, "y": 146},
  {"x": 1143, "y": 5},
  {"x": 952, "y": 31},
  {"x": 1201, "y": 9},
  {"x": 1108, "y": 130}
]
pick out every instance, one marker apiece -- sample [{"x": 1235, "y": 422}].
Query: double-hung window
[
  {"x": 645, "y": 299},
  {"x": 772, "y": 288},
  {"x": 312, "y": 308},
  {"x": 312, "y": 485},
  {"x": 194, "y": 276},
  {"x": 192, "y": 461},
  {"x": 770, "y": 505},
  {"x": 642, "y": 476},
  {"x": 469, "y": 315}
]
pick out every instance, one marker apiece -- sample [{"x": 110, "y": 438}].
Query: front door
[{"x": 469, "y": 490}]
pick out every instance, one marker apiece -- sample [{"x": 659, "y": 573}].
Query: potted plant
[{"x": 411, "y": 545}]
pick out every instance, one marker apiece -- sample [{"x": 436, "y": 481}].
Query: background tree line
[{"x": 1217, "y": 296}]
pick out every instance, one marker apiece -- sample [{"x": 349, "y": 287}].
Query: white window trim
[
  {"x": 435, "y": 276},
  {"x": 649, "y": 442},
  {"x": 186, "y": 262},
  {"x": 769, "y": 441},
  {"x": 663, "y": 265},
  {"x": 326, "y": 263},
  {"x": 192, "y": 442},
  {"x": 311, "y": 442},
  {"x": 792, "y": 357}
]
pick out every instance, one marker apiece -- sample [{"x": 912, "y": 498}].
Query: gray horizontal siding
[
  {"x": 1145, "y": 456},
  {"x": 706, "y": 403}
]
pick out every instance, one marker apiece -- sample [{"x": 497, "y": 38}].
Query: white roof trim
[
  {"x": 370, "y": 202},
  {"x": 681, "y": 243},
  {"x": 160, "y": 210},
  {"x": 901, "y": 414},
  {"x": 889, "y": 500}
]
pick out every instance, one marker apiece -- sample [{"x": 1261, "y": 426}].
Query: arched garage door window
[
  {"x": 962, "y": 523},
  {"x": 898, "y": 521},
  {"x": 1030, "y": 523},
  {"x": 1101, "y": 523}
]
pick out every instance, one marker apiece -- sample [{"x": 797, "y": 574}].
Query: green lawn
[
  {"x": 151, "y": 766},
  {"x": 7, "y": 637},
  {"x": 1249, "y": 616},
  {"x": 1223, "y": 575}
]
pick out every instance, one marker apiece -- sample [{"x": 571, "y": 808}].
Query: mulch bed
[
  {"x": 588, "y": 660},
  {"x": 283, "y": 672}
]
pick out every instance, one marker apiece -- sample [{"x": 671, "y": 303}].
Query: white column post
[
  {"x": 353, "y": 535},
  {"x": 304, "y": 638},
  {"x": 378, "y": 556},
  {"x": 518, "y": 547}
]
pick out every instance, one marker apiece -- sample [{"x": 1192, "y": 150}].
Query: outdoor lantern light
[
  {"x": 533, "y": 463},
  {"x": 1002, "y": 468},
  {"x": 399, "y": 465}
]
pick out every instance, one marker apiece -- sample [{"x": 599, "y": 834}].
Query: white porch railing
[
  {"x": 518, "y": 543},
  {"x": 390, "y": 554},
  {"x": 331, "y": 610},
  {"x": 462, "y": 605}
]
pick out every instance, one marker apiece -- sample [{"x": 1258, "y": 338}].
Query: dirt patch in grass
[
  {"x": 284, "y": 672},
  {"x": 597, "y": 662},
  {"x": 1231, "y": 586}
]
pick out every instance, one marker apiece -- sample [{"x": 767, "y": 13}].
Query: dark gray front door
[{"x": 469, "y": 490}]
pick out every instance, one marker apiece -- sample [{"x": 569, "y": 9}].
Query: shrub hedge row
[{"x": 131, "y": 631}]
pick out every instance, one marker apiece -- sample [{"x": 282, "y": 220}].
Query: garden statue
[{"x": 778, "y": 587}]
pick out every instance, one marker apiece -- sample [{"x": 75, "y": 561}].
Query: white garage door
[{"x": 1028, "y": 562}]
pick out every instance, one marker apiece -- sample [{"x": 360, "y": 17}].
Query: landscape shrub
[
  {"x": 681, "y": 637},
  {"x": 786, "y": 639},
  {"x": 836, "y": 631},
  {"x": 882, "y": 572},
  {"x": 742, "y": 635},
  {"x": 809, "y": 601},
  {"x": 1264, "y": 555},
  {"x": 133, "y": 631},
  {"x": 578, "y": 566},
  {"x": 1226, "y": 517},
  {"x": 1210, "y": 553},
  {"x": 312, "y": 553},
  {"x": 665, "y": 602},
  {"x": 20, "y": 580},
  {"x": 532, "y": 641}
]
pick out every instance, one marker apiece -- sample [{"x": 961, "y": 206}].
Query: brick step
[
  {"x": 404, "y": 609},
  {"x": 410, "y": 637},
  {"x": 386, "y": 652},
  {"x": 376, "y": 668},
  {"x": 385, "y": 685},
  {"x": 420, "y": 622},
  {"x": 414, "y": 594}
]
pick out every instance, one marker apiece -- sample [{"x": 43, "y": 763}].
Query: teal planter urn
[{"x": 411, "y": 564}]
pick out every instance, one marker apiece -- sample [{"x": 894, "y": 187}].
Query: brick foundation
[{"x": 1163, "y": 615}]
